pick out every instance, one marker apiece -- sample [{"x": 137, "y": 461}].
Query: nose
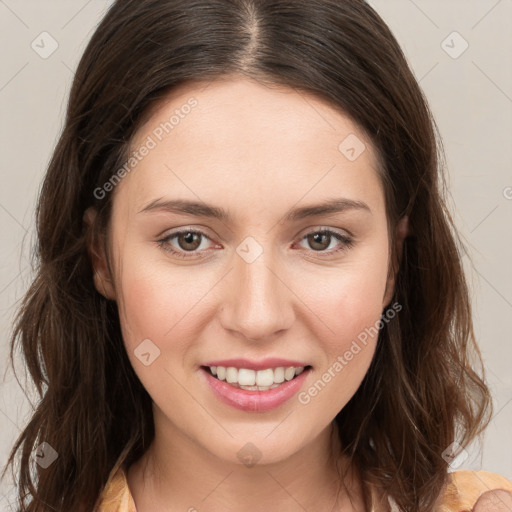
[{"x": 258, "y": 303}]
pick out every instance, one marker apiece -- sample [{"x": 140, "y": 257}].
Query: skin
[
  {"x": 257, "y": 151},
  {"x": 495, "y": 501}
]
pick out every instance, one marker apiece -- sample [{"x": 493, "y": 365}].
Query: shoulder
[
  {"x": 116, "y": 496},
  {"x": 476, "y": 491},
  {"x": 466, "y": 491}
]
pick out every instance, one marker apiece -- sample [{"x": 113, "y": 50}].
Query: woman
[{"x": 250, "y": 291}]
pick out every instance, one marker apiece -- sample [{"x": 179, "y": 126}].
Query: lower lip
[{"x": 255, "y": 401}]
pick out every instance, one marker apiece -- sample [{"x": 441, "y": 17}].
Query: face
[{"x": 271, "y": 283}]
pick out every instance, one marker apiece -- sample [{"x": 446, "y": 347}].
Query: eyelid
[{"x": 320, "y": 227}]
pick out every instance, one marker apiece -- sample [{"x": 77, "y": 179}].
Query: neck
[{"x": 176, "y": 473}]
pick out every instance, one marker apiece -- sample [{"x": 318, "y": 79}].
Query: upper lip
[{"x": 271, "y": 362}]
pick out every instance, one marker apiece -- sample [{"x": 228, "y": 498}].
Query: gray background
[{"x": 470, "y": 94}]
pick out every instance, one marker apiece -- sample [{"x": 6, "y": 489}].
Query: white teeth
[
  {"x": 231, "y": 375},
  {"x": 265, "y": 377},
  {"x": 289, "y": 373},
  {"x": 279, "y": 375},
  {"x": 247, "y": 377},
  {"x": 256, "y": 380},
  {"x": 259, "y": 388}
]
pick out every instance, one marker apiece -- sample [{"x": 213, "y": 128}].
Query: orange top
[{"x": 463, "y": 491}]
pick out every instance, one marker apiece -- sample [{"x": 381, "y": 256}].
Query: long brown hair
[{"x": 422, "y": 390}]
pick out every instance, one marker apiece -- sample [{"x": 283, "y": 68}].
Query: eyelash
[{"x": 346, "y": 242}]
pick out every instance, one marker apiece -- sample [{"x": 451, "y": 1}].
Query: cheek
[
  {"x": 347, "y": 299},
  {"x": 347, "y": 347},
  {"x": 157, "y": 324},
  {"x": 144, "y": 300},
  {"x": 162, "y": 304},
  {"x": 349, "y": 306}
]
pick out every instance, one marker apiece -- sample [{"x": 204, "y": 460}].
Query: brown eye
[
  {"x": 319, "y": 241},
  {"x": 187, "y": 243},
  {"x": 188, "y": 240}
]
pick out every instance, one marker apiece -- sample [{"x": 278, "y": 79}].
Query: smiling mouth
[{"x": 252, "y": 380}]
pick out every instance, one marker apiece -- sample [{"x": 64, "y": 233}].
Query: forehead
[{"x": 239, "y": 139}]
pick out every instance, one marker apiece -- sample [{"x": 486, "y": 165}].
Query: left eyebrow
[
  {"x": 337, "y": 205},
  {"x": 331, "y": 206}
]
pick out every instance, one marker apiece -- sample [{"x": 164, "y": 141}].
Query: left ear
[{"x": 402, "y": 230}]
